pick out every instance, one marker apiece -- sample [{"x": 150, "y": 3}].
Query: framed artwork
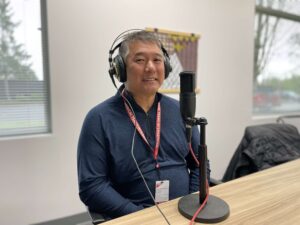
[{"x": 183, "y": 51}]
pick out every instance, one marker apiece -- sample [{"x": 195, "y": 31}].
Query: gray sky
[{"x": 27, "y": 12}]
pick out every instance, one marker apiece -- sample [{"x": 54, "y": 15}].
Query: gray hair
[{"x": 144, "y": 36}]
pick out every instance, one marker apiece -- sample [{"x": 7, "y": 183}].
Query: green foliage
[{"x": 291, "y": 84}]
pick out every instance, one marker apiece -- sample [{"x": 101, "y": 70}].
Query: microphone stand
[{"x": 215, "y": 210}]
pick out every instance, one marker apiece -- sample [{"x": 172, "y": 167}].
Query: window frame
[{"x": 45, "y": 63}]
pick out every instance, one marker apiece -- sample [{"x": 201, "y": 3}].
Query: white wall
[{"x": 38, "y": 174}]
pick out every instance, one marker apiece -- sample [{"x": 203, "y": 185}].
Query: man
[{"x": 136, "y": 139}]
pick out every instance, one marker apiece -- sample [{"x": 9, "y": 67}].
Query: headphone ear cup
[
  {"x": 119, "y": 68},
  {"x": 167, "y": 63},
  {"x": 168, "y": 67}
]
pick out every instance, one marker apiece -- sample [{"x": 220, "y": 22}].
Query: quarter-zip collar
[{"x": 134, "y": 104}]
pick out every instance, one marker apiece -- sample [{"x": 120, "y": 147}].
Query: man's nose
[{"x": 149, "y": 65}]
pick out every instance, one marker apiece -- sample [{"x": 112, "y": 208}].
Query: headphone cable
[
  {"x": 136, "y": 163},
  {"x": 141, "y": 174}
]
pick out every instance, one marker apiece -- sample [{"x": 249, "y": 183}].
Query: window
[
  {"x": 24, "y": 80},
  {"x": 276, "y": 80}
]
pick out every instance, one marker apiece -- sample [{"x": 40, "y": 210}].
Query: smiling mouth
[{"x": 150, "y": 79}]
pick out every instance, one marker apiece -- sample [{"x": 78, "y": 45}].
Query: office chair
[
  {"x": 263, "y": 146},
  {"x": 96, "y": 217}
]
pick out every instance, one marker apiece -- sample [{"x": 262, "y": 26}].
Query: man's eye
[
  {"x": 139, "y": 60},
  {"x": 158, "y": 60}
]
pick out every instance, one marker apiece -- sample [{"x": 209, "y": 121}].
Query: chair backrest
[
  {"x": 290, "y": 119},
  {"x": 96, "y": 217},
  {"x": 263, "y": 146}
]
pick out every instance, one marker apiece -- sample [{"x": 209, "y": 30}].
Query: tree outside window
[{"x": 276, "y": 80}]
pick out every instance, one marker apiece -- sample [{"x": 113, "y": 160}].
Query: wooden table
[{"x": 268, "y": 197}]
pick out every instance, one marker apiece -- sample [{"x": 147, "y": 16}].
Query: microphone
[
  {"x": 187, "y": 100},
  {"x": 200, "y": 207}
]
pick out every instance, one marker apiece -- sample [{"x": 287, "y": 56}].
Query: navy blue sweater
[{"x": 109, "y": 181}]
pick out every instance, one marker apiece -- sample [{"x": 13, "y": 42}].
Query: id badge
[{"x": 162, "y": 191}]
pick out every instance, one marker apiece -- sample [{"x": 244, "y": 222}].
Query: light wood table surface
[{"x": 269, "y": 197}]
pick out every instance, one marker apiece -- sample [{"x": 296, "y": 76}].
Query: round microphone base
[{"x": 215, "y": 210}]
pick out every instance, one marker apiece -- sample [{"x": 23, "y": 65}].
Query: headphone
[{"x": 117, "y": 66}]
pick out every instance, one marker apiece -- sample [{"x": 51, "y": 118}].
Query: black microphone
[
  {"x": 213, "y": 209},
  {"x": 187, "y": 100}
]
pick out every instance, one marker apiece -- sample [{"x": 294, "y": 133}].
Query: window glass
[
  {"x": 24, "y": 95},
  {"x": 276, "y": 80}
]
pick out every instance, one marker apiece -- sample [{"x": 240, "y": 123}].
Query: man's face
[{"x": 145, "y": 68}]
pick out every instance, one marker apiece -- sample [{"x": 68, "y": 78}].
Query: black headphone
[{"x": 117, "y": 66}]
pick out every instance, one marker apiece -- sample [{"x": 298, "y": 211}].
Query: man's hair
[{"x": 144, "y": 36}]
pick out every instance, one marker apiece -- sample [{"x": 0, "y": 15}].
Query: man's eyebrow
[{"x": 143, "y": 53}]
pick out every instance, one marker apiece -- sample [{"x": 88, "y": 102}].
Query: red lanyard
[{"x": 139, "y": 129}]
